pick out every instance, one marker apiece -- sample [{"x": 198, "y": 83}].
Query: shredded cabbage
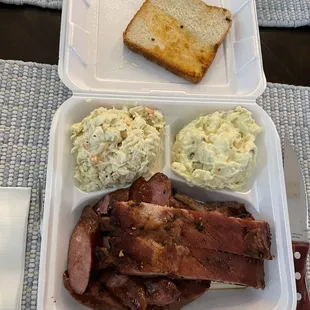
[{"x": 114, "y": 147}]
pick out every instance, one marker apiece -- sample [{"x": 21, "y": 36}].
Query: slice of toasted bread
[{"x": 180, "y": 35}]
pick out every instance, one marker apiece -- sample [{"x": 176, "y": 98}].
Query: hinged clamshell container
[{"x": 101, "y": 71}]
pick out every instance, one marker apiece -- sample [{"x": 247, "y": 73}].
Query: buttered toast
[{"x": 180, "y": 35}]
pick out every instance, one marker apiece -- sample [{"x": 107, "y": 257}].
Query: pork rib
[
  {"x": 193, "y": 229},
  {"x": 227, "y": 208},
  {"x": 142, "y": 256}
]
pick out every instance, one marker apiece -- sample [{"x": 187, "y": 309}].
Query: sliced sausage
[
  {"x": 160, "y": 186},
  {"x": 81, "y": 250},
  {"x": 157, "y": 190},
  {"x": 140, "y": 191},
  {"x": 102, "y": 207}
]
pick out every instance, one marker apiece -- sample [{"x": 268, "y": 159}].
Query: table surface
[{"x": 32, "y": 34}]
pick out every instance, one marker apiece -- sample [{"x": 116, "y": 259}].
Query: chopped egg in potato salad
[
  {"x": 114, "y": 147},
  {"x": 217, "y": 151}
]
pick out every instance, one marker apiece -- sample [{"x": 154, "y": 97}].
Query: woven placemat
[
  {"x": 30, "y": 94},
  {"x": 271, "y": 13},
  {"x": 48, "y": 4},
  {"x": 283, "y": 13}
]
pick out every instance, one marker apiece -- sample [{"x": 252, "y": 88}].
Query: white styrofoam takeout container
[{"x": 100, "y": 71}]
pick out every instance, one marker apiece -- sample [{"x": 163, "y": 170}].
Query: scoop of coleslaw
[{"x": 114, "y": 147}]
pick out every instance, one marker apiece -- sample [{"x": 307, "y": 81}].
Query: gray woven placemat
[
  {"x": 30, "y": 94},
  {"x": 49, "y": 4},
  {"x": 271, "y": 13},
  {"x": 283, "y": 13}
]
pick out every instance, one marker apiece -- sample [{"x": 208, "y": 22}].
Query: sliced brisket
[
  {"x": 95, "y": 297},
  {"x": 131, "y": 294},
  {"x": 190, "y": 291},
  {"x": 161, "y": 291}
]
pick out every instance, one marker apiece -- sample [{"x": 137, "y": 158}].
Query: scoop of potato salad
[{"x": 218, "y": 150}]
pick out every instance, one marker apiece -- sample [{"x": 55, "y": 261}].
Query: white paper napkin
[{"x": 14, "y": 208}]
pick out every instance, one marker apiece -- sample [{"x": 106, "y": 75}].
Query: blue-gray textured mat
[{"x": 271, "y": 13}]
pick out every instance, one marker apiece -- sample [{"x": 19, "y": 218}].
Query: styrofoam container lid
[{"x": 93, "y": 58}]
